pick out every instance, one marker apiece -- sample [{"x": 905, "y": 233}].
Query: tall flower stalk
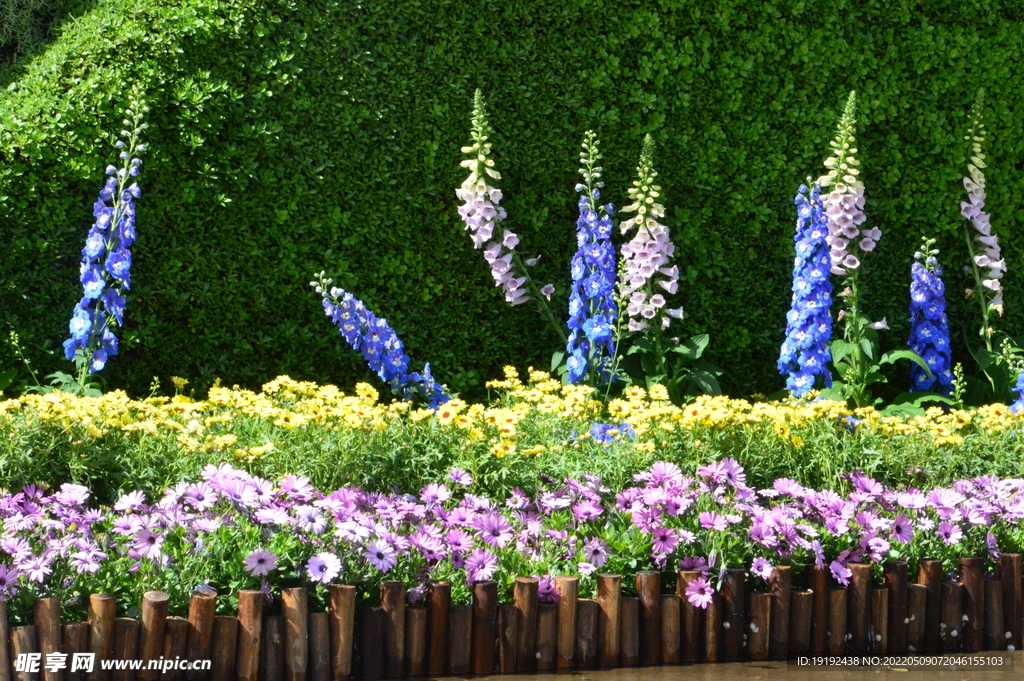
[
  {"x": 805, "y": 353},
  {"x": 929, "y": 327},
  {"x": 105, "y": 272},
  {"x": 593, "y": 313},
  {"x": 378, "y": 343},
  {"x": 481, "y": 214}
]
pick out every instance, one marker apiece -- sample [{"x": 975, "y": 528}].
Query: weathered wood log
[
  {"x": 568, "y": 589},
  {"x": 629, "y": 631},
  {"x": 5, "y": 636},
  {"x": 758, "y": 636},
  {"x": 547, "y": 637},
  {"x": 609, "y": 600},
  {"x": 102, "y": 613},
  {"x": 47, "y": 620},
  {"x": 485, "y": 623},
  {"x": 74, "y": 639},
  {"x": 858, "y": 607},
  {"x": 714, "y": 614},
  {"x": 460, "y": 637},
  {"x": 439, "y": 603},
  {"x": 225, "y": 647},
  {"x": 272, "y": 661},
  {"x": 835, "y": 640},
  {"x": 1013, "y": 597},
  {"x": 929, "y": 575},
  {"x": 952, "y": 616},
  {"x": 508, "y": 636},
  {"x": 899, "y": 618},
  {"x": 780, "y": 585},
  {"x": 371, "y": 642},
  {"x": 319, "y": 646},
  {"x": 670, "y": 629},
  {"x": 175, "y": 646},
  {"x": 801, "y": 605},
  {"x": 648, "y": 590},
  {"x": 415, "y": 641},
  {"x": 691, "y": 618},
  {"x": 127, "y": 632},
  {"x": 917, "y": 596},
  {"x": 295, "y": 606},
  {"x": 586, "y": 633},
  {"x": 734, "y": 601},
  {"x": 151, "y": 633},
  {"x": 817, "y": 581},
  {"x": 972, "y": 575},
  {"x": 878, "y": 628},
  {"x": 392, "y": 602},
  {"x": 996, "y": 635},
  {"x": 250, "y": 627},
  {"x": 24, "y": 641},
  {"x": 341, "y": 613},
  {"x": 524, "y": 595},
  {"x": 201, "y": 609}
]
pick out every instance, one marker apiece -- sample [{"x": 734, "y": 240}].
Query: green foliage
[{"x": 292, "y": 137}]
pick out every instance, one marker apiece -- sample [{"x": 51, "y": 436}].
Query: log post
[
  {"x": 714, "y": 614},
  {"x": 733, "y": 598},
  {"x": 586, "y": 633},
  {"x": 175, "y": 643},
  {"x": 126, "y": 646},
  {"x": 1013, "y": 598},
  {"x": 670, "y": 632},
  {"x": 692, "y": 618},
  {"x": 102, "y": 612},
  {"x": 250, "y": 626},
  {"x": 24, "y": 641},
  {"x": 524, "y": 594},
  {"x": 609, "y": 600},
  {"x": 929, "y": 575},
  {"x": 648, "y": 590},
  {"x": 439, "y": 602},
  {"x": 858, "y": 606},
  {"x": 568, "y": 589},
  {"x": 629, "y": 631},
  {"x": 151, "y": 633},
  {"x": 201, "y": 610},
  {"x": 392, "y": 602},
  {"x": 75, "y": 637},
  {"x": 780, "y": 585},
  {"x": 917, "y": 595},
  {"x": 224, "y": 648},
  {"x": 47, "y": 620},
  {"x": 547, "y": 636},
  {"x": 878, "y": 630},
  {"x": 372, "y": 642},
  {"x": 485, "y": 622},
  {"x": 319, "y": 646},
  {"x": 835, "y": 641},
  {"x": 996, "y": 635},
  {"x": 508, "y": 636},
  {"x": 341, "y": 614},
  {"x": 801, "y": 605},
  {"x": 972, "y": 574},
  {"x": 952, "y": 616},
  {"x": 899, "y": 618},
  {"x": 5, "y": 651},
  {"x": 760, "y": 625},
  {"x": 272, "y": 661},
  {"x": 295, "y": 606},
  {"x": 460, "y": 636},
  {"x": 817, "y": 581},
  {"x": 415, "y": 641}
]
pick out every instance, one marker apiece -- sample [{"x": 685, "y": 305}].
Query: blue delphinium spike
[{"x": 929, "y": 327}]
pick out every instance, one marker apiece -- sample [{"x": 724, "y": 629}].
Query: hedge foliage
[{"x": 291, "y": 137}]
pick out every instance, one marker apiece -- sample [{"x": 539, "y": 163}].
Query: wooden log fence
[{"x": 799, "y": 613}]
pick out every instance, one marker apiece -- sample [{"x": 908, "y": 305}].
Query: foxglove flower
[
  {"x": 929, "y": 327},
  {"x": 105, "y": 272},
  {"x": 592, "y": 309},
  {"x": 805, "y": 352},
  {"x": 844, "y": 204},
  {"x": 481, "y": 213},
  {"x": 378, "y": 343},
  {"x": 645, "y": 277}
]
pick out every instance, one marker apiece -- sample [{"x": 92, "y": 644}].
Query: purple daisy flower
[
  {"x": 323, "y": 567},
  {"x": 260, "y": 562},
  {"x": 762, "y": 568},
  {"x": 664, "y": 541},
  {"x": 699, "y": 593},
  {"x": 381, "y": 555},
  {"x": 495, "y": 530},
  {"x": 902, "y": 529},
  {"x": 460, "y": 477},
  {"x": 480, "y": 566}
]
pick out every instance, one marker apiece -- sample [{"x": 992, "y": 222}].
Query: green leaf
[
  {"x": 7, "y": 377},
  {"x": 896, "y": 355},
  {"x": 557, "y": 357},
  {"x": 692, "y": 348},
  {"x": 840, "y": 350}
]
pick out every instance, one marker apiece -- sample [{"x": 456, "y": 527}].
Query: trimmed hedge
[{"x": 292, "y": 137}]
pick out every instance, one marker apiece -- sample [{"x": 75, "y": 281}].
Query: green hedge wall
[{"x": 290, "y": 137}]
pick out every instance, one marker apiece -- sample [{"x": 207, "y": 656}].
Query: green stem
[
  {"x": 541, "y": 300},
  {"x": 979, "y": 291}
]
